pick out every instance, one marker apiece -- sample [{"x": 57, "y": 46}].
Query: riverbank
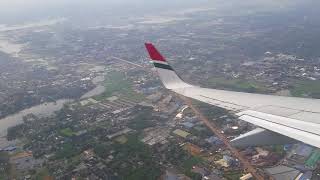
[{"x": 42, "y": 110}]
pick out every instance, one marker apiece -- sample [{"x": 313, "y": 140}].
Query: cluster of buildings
[
  {"x": 278, "y": 70},
  {"x": 86, "y": 137}
]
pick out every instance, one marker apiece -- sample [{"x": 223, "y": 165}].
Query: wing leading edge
[{"x": 296, "y": 118}]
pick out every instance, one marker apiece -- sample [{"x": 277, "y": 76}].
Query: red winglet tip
[{"x": 154, "y": 53}]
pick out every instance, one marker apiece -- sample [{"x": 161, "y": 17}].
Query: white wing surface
[{"x": 296, "y": 118}]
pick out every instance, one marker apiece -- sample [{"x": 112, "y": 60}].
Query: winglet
[
  {"x": 154, "y": 53},
  {"x": 166, "y": 73}
]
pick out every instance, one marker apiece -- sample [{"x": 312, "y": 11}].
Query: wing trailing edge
[{"x": 260, "y": 137}]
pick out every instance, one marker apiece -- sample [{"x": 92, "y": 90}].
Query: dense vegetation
[
  {"x": 67, "y": 132},
  {"x": 116, "y": 83},
  {"x": 15, "y": 132},
  {"x": 4, "y": 165},
  {"x": 237, "y": 85},
  {"x": 142, "y": 119},
  {"x": 309, "y": 88},
  {"x": 131, "y": 151}
]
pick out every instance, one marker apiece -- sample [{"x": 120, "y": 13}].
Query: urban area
[{"x": 86, "y": 103}]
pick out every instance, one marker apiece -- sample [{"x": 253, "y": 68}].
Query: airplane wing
[{"x": 281, "y": 119}]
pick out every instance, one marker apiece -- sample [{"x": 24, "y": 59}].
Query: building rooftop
[
  {"x": 181, "y": 133},
  {"x": 188, "y": 124},
  {"x": 282, "y": 172}
]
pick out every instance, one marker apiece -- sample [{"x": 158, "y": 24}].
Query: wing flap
[
  {"x": 301, "y": 131},
  {"x": 284, "y": 121},
  {"x": 260, "y": 137}
]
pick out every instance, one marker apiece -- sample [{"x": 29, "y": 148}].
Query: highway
[
  {"x": 244, "y": 162},
  {"x": 215, "y": 130}
]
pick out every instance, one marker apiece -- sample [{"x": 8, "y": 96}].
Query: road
[
  {"x": 244, "y": 162},
  {"x": 126, "y": 61}
]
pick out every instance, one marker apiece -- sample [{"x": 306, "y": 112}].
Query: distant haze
[{"x": 19, "y": 11}]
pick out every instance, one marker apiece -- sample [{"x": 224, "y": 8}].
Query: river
[
  {"x": 46, "y": 109},
  {"x": 96, "y": 91},
  {"x": 42, "y": 110},
  {"x": 99, "y": 89}
]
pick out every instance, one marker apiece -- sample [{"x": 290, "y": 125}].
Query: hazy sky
[
  {"x": 17, "y": 11},
  {"x": 12, "y": 5},
  {"x": 39, "y": 3}
]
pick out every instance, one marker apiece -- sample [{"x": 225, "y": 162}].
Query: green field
[
  {"x": 67, "y": 132},
  {"x": 236, "y": 85},
  {"x": 233, "y": 175},
  {"x": 192, "y": 161},
  {"x": 188, "y": 164},
  {"x": 117, "y": 84},
  {"x": 309, "y": 88},
  {"x": 121, "y": 139}
]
